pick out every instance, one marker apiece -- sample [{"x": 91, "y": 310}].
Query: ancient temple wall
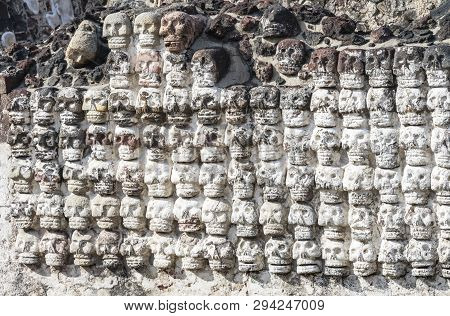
[{"x": 254, "y": 157}]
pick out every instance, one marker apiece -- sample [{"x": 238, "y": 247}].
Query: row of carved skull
[{"x": 280, "y": 251}]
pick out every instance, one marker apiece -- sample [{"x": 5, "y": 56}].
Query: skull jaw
[
  {"x": 387, "y": 160},
  {"x": 416, "y": 197},
  {"x": 442, "y": 160},
  {"x": 83, "y": 260},
  {"x": 136, "y": 262},
  {"x": 97, "y": 117},
  {"x": 423, "y": 269},
  {"x": 161, "y": 225},
  {"x": 305, "y": 266},
  {"x": 393, "y": 270},
  {"x": 363, "y": 269},
  {"x": 29, "y": 258},
  {"x": 221, "y": 265},
  {"x": 189, "y": 263},
  {"x": 24, "y": 222},
  {"x": 274, "y": 229},
  {"x": 304, "y": 232},
  {"x": 247, "y": 230},
  {"x": 105, "y": 222},
  {"x": 250, "y": 264},
  {"x": 189, "y": 225},
  {"x": 134, "y": 223},
  {"x": 111, "y": 261},
  {"x": 119, "y": 82},
  {"x": 55, "y": 259},
  {"x": 381, "y": 119},
  {"x": 187, "y": 190},
  {"x": 118, "y": 42},
  {"x": 279, "y": 266},
  {"x": 337, "y": 269},
  {"x": 80, "y": 223},
  {"x": 324, "y": 79},
  {"x": 52, "y": 222}
]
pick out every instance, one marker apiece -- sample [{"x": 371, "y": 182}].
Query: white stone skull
[
  {"x": 48, "y": 175},
  {"x": 107, "y": 246},
  {"x": 160, "y": 212},
  {"x": 307, "y": 254},
  {"x": 245, "y": 216},
  {"x": 385, "y": 145},
  {"x": 391, "y": 218},
  {"x": 184, "y": 248},
  {"x": 335, "y": 254},
  {"x": 239, "y": 139},
  {"x": 440, "y": 184},
  {"x": 415, "y": 140},
  {"x": 351, "y": 68},
  {"x": 381, "y": 104},
  {"x": 294, "y": 102},
  {"x": 422, "y": 255},
  {"x": 55, "y": 247},
  {"x": 132, "y": 211},
  {"x": 408, "y": 66},
  {"x": 77, "y": 209},
  {"x": 131, "y": 177},
  {"x": 242, "y": 178},
  {"x": 387, "y": 182},
  {"x": 216, "y": 215},
  {"x": 211, "y": 141},
  {"x": 392, "y": 257},
  {"x": 421, "y": 221},
  {"x": 326, "y": 143},
  {"x": 157, "y": 178},
  {"x": 264, "y": 100},
  {"x": 149, "y": 66},
  {"x": 278, "y": 252},
  {"x": 352, "y": 104},
  {"x": 213, "y": 179},
  {"x": 300, "y": 182},
  {"x": 325, "y": 104},
  {"x": 128, "y": 142},
  {"x": 177, "y": 69},
  {"x": 136, "y": 250},
  {"x": 270, "y": 142},
  {"x": 411, "y": 106},
  {"x": 95, "y": 105},
  {"x": 274, "y": 218},
  {"x": 205, "y": 100},
  {"x": 364, "y": 256},
  {"x": 102, "y": 175},
  {"x": 23, "y": 210},
  {"x": 357, "y": 144},
  {"x": 438, "y": 101},
  {"x": 379, "y": 67},
  {"x": 296, "y": 143},
  {"x": 323, "y": 67},
  {"x": 117, "y": 29},
  {"x": 146, "y": 27},
  {"x": 250, "y": 255},
  {"x": 186, "y": 179},
  {"x": 181, "y": 140},
  {"x": 188, "y": 212},
  {"x": 27, "y": 247},
  {"x": 106, "y": 211},
  {"x": 303, "y": 217},
  {"x": 416, "y": 184},
  {"x": 443, "y": 219},
  {"x": 82, "y": 246},
  {"x": 440, "y": 145},
  {"x": 271, "y": 176}
]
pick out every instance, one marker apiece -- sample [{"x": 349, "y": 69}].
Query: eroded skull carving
[
  {"x": 216, "y": 215},
  {"x": 250, "y": 255},
  {"x": 181, "y": 140},
  {"x": 278, "y": 251},
  {"x": 19, "y": 107},
  {"x": 416, "y": 184},
  {"x": 96, "y": 105},
  {"x": 55, "y": 247},
  {"x": 121, "y": 105},
  {"x": 391, "y": 218},
  {"x": 106, "y": 211},
  {"x": 385, "y": 146},
  {"x": 219, "y": 252},
  {"x": 242, "y": 178},
  {"x": 84, "y": 45},
  {"x": 436, "y": 61},
  {"x": 421, "y": 221},
  {"x": 438, "y": 102},
  {"x": 329, "y": 180},
  {"x": 235, "y": 100},
  {"x": 440, "y": 145},
  {"x": 70, "y": 103},
  {"x": 392, "y": 257},
  {"x": 270, "y": 142},
  {"x": 444, "y": 257},
  {"x": 277, "y": 21},
  {"x": 211, "y": 141},
  {"x": 23, "y": 210},
  {"x": 48, "y": 175},
  {"x": 27, "y": 247},
  {"x": 239, "y": 139},
  {"x": 50, "y": 210},
  {"x": 100, "y": 139},
  {"x": 71, "y": 141},
  {"x": 160, "y": 213},
  {"x": 149, "y": 66},
  {"x": 326, "y": 143},
  {"x": 177, "y": 105},
  {"x": 185, "y": 177},
  {"x": 415, "y": 141},
  {"x": 296, "y": 143},
  {"x": 358, "y": 181},
  {"x": 289, "y": 57},
  {"x": 136, "y": 250},
  {"x": 132, "y": 211},
  {"x": 323, "y": 67},
  {"x": 440, "y": 184},
  {"x": 294, "y": 102},
  {"x": 335, "y": 254},
  {"x": 157, "y": 178},
  {"x": 21, "y": 175},
  {"x": 300, "y": 182},
  {"x": 245, "y": 215},
  {"x": 381, "y": 104},
  {"x": 379, "y": 67},
  {"x": 19, "y": 139},
  {"x": 307, "y": 254},
  {"x": 131, "y": 176},
  {"x": 107, "y": 247},
  {"x": 351, "y": 68},
  {"x": 45, "y": 142},
  {"x": 333, "y": 217},
  {"x": 271, "y": 176},
  {"x": 209, "y": 65},
  {"x": 146, "y": 27},
  {"x": 213, "y": 178},
  {"x": 325, "y": 104},
  {"x": 304, "y": 218},
  {"x": 117, "y": 29},
  {"x": 274, "y": 217},
  {"x": 387, "y": 182},
  {"x": 364, "y": 256},
  {"x": 265, "y": 103},
  {"x": 177, "y": 68},
  {"x": 162, "y": 246},
  {"x": 352, "y": 104},
  {"x": 155, "y": 139},
  {"x": 78, "y": 211},
  {"x": 119, "y": 70},
  {"x": 128, "y": 142},
  {"x": 422, "y": 254},
  {"x": 188, "y": 212},
  {"x": 42, "y": 104},
  {"x": 102, "y": 175},
  {"x": 82, "y": 246},
  {"x": 179, "y": 30},
  {"x": 408, "y": 66},
  {"x": 411, "y": 106},
  {"x": 184, "y": 248},
  {"x": 357, "y": 144},
  {"x": 205, "y": 100}
]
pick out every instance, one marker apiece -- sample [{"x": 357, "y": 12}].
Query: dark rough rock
[
  {"x": 249, "y": 24},
  {"x": 310, "y": 14},
  {"x": 338, "y": 27},
  {"x": 312, "y": 38},
  {"x": 245, "y": 48},
  {"x": 381, "y": 35},
  {"x": 223, "y": 27},
  {"x": 277, "y": 21},
  {"x": 264, "y": 48},
  {"x": 263, "y": 70},
  {"x": 444, "y": 28}
]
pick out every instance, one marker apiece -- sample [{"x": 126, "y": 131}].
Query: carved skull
[
  {"x": 326, "y": 142},
  {"x": 304, "y": 218},
  {"x": 211, "y": 141},
  {"x": 408, "y": 66},
  {"x": 216, "y": 215},
  {"x": 42, "y": 104},
  {"x": 438, "y": 101},
  {"x": 186, "y": 179},
  {"x": 235, "y": 100},
  {"x": 136, "y": 250},
  {"x": 278, "y": 251},
  {"x": 436, "y": 62},
  {"x": 82, "y": 246},
  {"x": 289, "y": 56},
  {"x": 78, "y": 211},
  {"x": 325, "y": 104},
  {"x": 241, "y": 176},
  {"x": 416, "y": 184},
  {"x": 71, "y": 141},
  {"x": 277, "y": 21},
  {"x": 218, "y": 250},
  {"x": 132, "y": 211},
  {"x": 160, "y": 213},
  {"x": 300, "y": 182},
  {"x": 357, "y": 144},
  {"x": 179, "y": 30},
  {"x": 50, "y": 210},
  {"x": 381, "y": 104},
  {"x": 440, "y": 184},
  {"x": 131, "y": 176},
  {"x": 181, "y": 140},
  {"x": 27, "y": 247},
  {"x": 163, "y": 249},
  {"x": 379, "y": 67},
  {"x": 177, "y": 68},
  {"x": 264, "y": 100},
  {"x": 421, "y": 221},
  {"x": 307, "y": 254},
  {"x": 385, "y": 146},
  {"x": 21, "y": 175},
  {"x": 335, "y": 254},
  {"x": 352, "y": 104},
  {"x": 391, "y": 218},
  {"x": 415, "y": 141},
  {"x": 333, "y": 217},
  {"x": 270, "y": 142},
  {"x": 121, "y": 105},
  {"x": 358, "y": 181},
  {"x": 119, "y": 70},
  {"x": 188, "y": 212},
  {"x": 117, "y": 29},
  {"x": 184, "y": 248},
  {"x": 411, "y": 106},
  {"x": 48, "y": 175},
  {"x": 329, "y": 180},
  {"x": 245, "y": 215},
  {"x": 107, "y": 246},
  {"x": 84, "y": 45},
  {"x": 364, "y": 256},
  {"x": 273, "y": 216},
  {"x": 155, "y": 139},
  {"x": 209, "y": 65},
  {"x": 440, "y": 145},
  {"x": 96, "y": 105},
  {"x": 296, "y": 143},
  {"x": 351, "y": 68},
  {"x": 146, "y": 27},
  {"x": 102, "y": 174},
  {"x": 443, "y": 218},
  {"x": 45, "y": 142},
  {"x": 444, "y": 257},
  {"x": 70, "y": 103},
  {"x": 294, "y": 102},
  {"x": 149, "y": 105},
  {"x": 55, "y": 247},
  {"x": 422, "y": 254},
  {"x": 128, "y": 142},
  {"x": 323, "y": 67},
  {"x": 271, "y": 176},
  {"x": 149, "y": 66},
  {"x": 100, "y": 139},
  {"x": 213, "y": 178},
  {"x": 19, "y": 107},
  {"x": 177, "y": 105},
  {"x": 392, "y": 255},
  {"x": 250, "y": 255},
  {"x": 387, "y": 182},
  {"x": 23, "y": 209},
  {"x": 106, "y": 211},
  {"x": 19, "y": 139},
  {"x": 205, "y": 100},
  {"x": 239, "y": 139},
  {"x": 157, "y": 178}
]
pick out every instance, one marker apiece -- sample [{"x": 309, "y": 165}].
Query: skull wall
[{"x": 345, "y": 173}]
